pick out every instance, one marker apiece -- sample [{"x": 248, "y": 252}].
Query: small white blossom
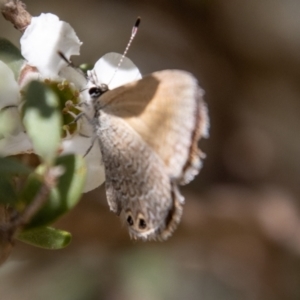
[
  {"x": 40, "y": 43},
  {"x": 43, "y": 38}
]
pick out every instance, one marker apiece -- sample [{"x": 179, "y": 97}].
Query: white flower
[
  {"x": 40, "y": 43},
  {"x": 43, "y": 38}
]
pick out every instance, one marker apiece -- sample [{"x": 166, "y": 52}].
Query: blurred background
[{"x": 240, "y": 233}]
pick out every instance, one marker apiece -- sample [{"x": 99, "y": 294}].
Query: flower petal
[
  {"x": 15, "y": 144},
  {"x": 95, "y": 169},
  {"x": 106, "y": 70},
  {"x": 74, "y": 76},
  {"x": 10, "y": 122},
  {"x": 43, "y": 38},
  {"x": 9, "y": 90}
]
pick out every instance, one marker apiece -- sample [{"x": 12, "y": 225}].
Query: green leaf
[
  {"x": 64, "y": 196},
  {"x": 11, "y": 55},
  {"x": 46, "y": 237},
  {"x": 7, "y": 192},
  {"x": 10, "y": 166},
  {"x": 42, "y": 120}
]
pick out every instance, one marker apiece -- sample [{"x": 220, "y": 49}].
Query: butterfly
[{"x": 148, "y": 132}]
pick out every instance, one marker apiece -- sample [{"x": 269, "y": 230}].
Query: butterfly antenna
[{"x": 133, "y": 34}]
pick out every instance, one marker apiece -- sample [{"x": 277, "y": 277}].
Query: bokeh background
[{"x": 240, "y": 233}]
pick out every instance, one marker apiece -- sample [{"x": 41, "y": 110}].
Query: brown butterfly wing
[
  {"x": 136, "y": 179},
  {"x": 167, "y": 110}
]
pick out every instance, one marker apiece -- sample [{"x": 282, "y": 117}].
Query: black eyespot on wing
[
  {"x": 142, "y": 224},
  {"x": 129, "y": 220}
]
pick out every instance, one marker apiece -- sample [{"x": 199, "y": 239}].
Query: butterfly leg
[{"x": 91, "y": 146}]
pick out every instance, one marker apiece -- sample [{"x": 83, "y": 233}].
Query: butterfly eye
[
  {"x": 142, "y": 224},
  {"x": 96, "y": 92},
  {"x": 130, "y": 220}
]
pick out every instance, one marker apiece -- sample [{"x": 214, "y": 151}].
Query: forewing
[{"x": 167, "y": 110}]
